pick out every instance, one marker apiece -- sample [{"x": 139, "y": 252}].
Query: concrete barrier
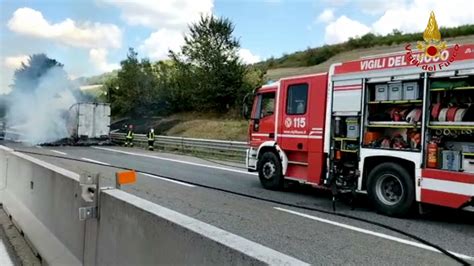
[
  {"x": 44, "y": 202},
  {"x": 139, "y": 232}
]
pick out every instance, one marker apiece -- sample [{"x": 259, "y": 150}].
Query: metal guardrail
[
  {"x": 216, "y": 147},
  {"x": 234, "y": 150},
  {"x": 11, "y": 135}
]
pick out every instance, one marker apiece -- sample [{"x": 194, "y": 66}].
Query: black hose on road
[{"x": 414, "y": 237}]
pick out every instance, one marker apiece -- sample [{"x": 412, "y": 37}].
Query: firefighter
[
  {"x": 151, "y": 139},
  {"x": 129, "y": 137}
]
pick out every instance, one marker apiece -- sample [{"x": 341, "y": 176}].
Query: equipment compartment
[
  {"x": 395, "y": 123},
  {"x": 450, "y": 138}
]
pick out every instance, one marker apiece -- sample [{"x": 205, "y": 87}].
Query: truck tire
[
  {"x": 391, "y": 189},
  {"x": 270, "y": 171}
]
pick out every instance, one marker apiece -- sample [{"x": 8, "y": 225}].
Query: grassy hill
[
  {"x": 96, "y": 80},
  {"x": 279, "y": 72},
  {"x": 318, "y": 55},
  {"x": 190, "y": 125}
]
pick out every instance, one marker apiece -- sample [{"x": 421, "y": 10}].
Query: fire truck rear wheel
[
  {"x": 391, "y": 189},
  {"x": 270, "y": 171}
]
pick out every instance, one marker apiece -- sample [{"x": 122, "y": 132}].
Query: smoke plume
[{"x": 38, "y": 104}]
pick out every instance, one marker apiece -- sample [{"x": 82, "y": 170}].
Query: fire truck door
[
  {"x": 293, "y": 136},
  {"x": 262, "y": 125}
]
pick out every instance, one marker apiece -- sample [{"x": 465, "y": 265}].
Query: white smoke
[{"x": 40, "y": 114}]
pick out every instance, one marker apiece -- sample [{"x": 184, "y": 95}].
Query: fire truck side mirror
[
  {"x": 245, "y": 112},
  {"x": 246, "y": 106}
]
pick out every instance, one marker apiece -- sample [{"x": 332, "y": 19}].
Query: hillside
[
  {"x": 190, "y": 125},
  {"x": 318, "y": 55},
  {"x": 277, "y": 73},
  {"x": 96, "y": 80}
]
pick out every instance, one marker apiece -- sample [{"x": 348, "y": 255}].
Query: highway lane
[{"x": 314, "y": 241}]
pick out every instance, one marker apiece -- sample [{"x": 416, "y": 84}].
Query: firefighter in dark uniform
[
  {"x": 129, "y": 137},
  {"x": 151, "y": 139}
]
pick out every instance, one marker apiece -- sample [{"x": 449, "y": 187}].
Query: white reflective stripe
[
  {"x": 317, "y": 129},
  {"x": 300, "y": 136},
  {"x": 447, "y": 186},
  {"x": 260, "y": 135},
  {"x": 315, "y": 133}
]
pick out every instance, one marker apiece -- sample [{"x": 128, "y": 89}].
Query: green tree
[
  {"x": 28, "y": 76},
  {"x": 175, "y": 87},
  {"x": 133, "y": 92},
  {"x": 254, "y": 77},
  {"x": 209, "y": 60}
]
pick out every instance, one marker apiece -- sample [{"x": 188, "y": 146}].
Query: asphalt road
[{"x": 310, "y": 236}]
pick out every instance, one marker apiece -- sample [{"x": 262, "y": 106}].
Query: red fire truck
[{"x": 398, "y": 127}]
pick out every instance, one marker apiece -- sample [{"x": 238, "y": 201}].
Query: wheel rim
[
  {"x": 389, "y": 189},
  {"x": 268, "y": 170}
]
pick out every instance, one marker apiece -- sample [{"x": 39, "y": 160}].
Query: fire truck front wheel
[
  {"x": 391, "y": 189},
  {"x": 270, "y": 171}
]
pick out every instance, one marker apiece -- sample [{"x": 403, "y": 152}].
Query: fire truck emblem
[
  {"x": 288, "y": 122},
  {"x": 433, "y": 54},
  {"x": 432, "y": 45}
]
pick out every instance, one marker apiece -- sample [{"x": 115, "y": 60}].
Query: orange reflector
[{"x": 125, "y": 177}]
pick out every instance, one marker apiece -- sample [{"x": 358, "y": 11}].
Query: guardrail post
[{"x": 89, "y": 214}]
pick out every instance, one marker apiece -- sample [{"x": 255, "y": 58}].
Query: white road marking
[
  {"x": 94, "y": 161},
  {"x": 59, "y": 152},
  {"x": 368, "y": 232},
  {"x": 169, "y": 180},
  {"x": 176, "y": 161}
]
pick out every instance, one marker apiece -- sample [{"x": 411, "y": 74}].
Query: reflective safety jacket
[
  {"x": 151, "y": 135},
  {"x": 130, "y": 134}
]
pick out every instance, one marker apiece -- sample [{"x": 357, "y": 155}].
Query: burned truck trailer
[{"x": 89, "y": 122}]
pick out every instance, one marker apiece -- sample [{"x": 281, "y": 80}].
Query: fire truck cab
[{"x": 397, "y": 127}]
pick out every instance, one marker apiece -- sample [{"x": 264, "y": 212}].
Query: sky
[{"x": 91, "y": 37}]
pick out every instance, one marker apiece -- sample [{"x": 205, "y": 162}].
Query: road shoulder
[{"x": 18, "y": 249}]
